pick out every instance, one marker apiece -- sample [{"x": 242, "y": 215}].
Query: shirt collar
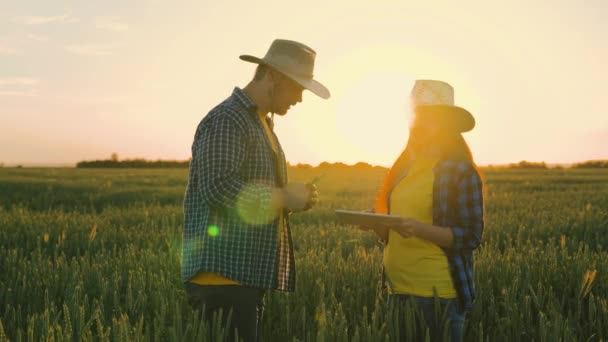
[{"x": 245, "y": 101}]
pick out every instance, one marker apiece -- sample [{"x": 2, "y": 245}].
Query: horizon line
[{"x": 73, "y": 165}]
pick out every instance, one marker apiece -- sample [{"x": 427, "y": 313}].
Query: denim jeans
[
  {"x": 445, "y": 313},
  {"x": 246, "y": 305}
]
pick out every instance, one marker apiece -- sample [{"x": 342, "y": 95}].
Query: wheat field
[{"x": 94, "y": 254}]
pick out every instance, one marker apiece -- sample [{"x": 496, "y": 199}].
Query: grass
[{"x": 95, "y": 255}]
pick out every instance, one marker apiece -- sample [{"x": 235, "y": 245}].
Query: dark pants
[
  {"x": 438, "y": 316},
  {"x": 244, "y": 304}
]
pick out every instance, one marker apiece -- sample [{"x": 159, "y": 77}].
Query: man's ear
[{"x": 274, "y": 75}]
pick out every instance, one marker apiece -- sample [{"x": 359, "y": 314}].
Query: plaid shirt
[
  {"x": 230, "y": 228},
  {"x": 457, "y": 204}
]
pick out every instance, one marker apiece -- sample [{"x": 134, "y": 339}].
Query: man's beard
[{"x": 274, "y": 106}]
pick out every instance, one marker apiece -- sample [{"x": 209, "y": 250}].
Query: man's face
[{"x": 286, "y": 93}]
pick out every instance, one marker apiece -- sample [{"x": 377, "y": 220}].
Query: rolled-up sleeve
[
  {"x": 468, "y": 234},
  {"x": 219, "y": 154}
]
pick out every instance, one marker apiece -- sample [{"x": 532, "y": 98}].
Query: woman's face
[{"x": 423, "y": 134}]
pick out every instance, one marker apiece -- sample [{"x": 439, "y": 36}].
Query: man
[{"x": 237, "y": 240}]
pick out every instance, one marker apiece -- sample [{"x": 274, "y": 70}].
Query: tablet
[{"x": 361, "y": 218}]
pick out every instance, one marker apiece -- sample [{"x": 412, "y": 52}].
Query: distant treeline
[
  {"x": 134, "y": 163},
  {"x": 528, "y": 165},
  {"x": 592, "y": 164},
  {"x": 143, "y": 163},
  {"x": 114, "y": 162},
  {"x": 327, "y": 165}
]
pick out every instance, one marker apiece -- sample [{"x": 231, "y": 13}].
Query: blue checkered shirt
[
  {"x": 229, "y": 227},
  {"x": 458, "y": 204}
]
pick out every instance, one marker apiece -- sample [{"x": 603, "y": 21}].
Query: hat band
[{"x": 294, "y": 67}]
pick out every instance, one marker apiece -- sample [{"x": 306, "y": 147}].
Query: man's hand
[{"x": 300, "y": 196}]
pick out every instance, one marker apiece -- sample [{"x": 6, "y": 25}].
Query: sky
[{"x": 80, "y": 80}]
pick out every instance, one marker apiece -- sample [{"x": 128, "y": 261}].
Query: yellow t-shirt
[
  {"x": 413, "y": 265},
  {"x": 210, "y": 278}
]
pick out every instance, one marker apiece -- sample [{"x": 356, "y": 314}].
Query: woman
[{"x": 435, "y": 187}]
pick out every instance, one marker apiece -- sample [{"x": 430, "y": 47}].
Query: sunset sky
[{"x": 81, "y": 80}]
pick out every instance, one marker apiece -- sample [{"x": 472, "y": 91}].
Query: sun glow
[{"x": 369, "y": 114}]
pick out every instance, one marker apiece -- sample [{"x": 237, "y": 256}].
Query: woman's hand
[{"x": 408, "y": 227}]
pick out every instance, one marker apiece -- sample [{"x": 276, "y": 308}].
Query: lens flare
[
  {"x": 213, "y": 231},
  {"x": 250, "y": 207}
]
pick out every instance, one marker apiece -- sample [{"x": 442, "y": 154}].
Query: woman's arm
[
  {"x": 467, "y": 235},
  {"x": 440, "y": 236}
]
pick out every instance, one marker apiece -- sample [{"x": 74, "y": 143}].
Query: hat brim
[
  {"x": 314, "y": 86},
  {"x": 452, "y": 117}
]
